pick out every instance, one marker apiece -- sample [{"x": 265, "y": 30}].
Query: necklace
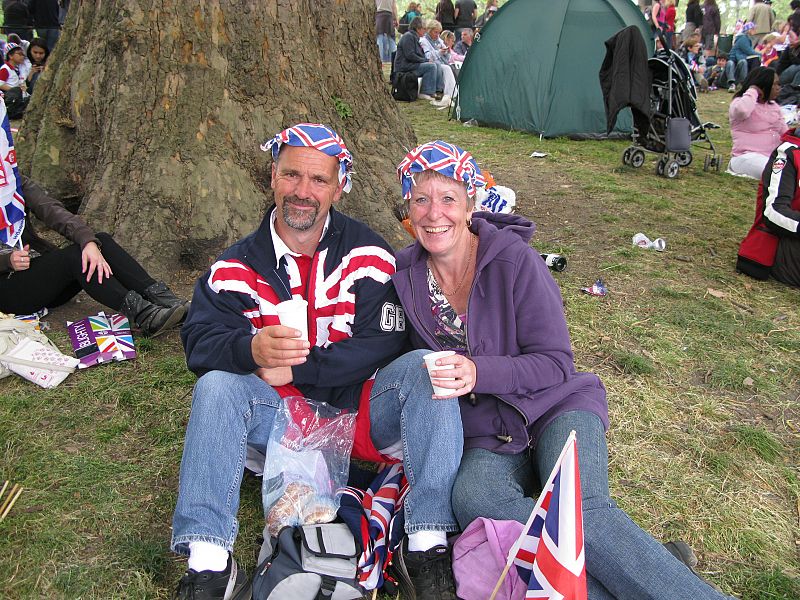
[{"x": 439, "y": 278}]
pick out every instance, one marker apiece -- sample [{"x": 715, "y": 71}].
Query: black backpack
[
  {"x": 309, "y": 561},
  {"x": 402, "y": 24},
  {"x": 405, "y": 87}
]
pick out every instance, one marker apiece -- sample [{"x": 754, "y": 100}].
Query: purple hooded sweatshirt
[{"x": 516, "y": 334}]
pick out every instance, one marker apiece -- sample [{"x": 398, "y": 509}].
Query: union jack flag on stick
[
  {"x": 549, "y": 554},
  {"x": 12, "y": 205}
]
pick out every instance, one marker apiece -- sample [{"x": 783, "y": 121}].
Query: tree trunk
[{"x": 152, "y": 112}]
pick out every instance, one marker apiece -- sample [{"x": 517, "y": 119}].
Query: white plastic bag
[{"x": 308, "y": 460}]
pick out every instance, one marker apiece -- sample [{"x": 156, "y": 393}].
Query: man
[
  {"x": 45, "y": 18},
  {"x": 247, "y": 361},
  {"x": 465, "y": 43},
  {"x": 772, "y": 246},
  {"x": 411, "y": 58},
  {"x": 466, "y": 12},
  {"x": 764, "y": 18},
  {"x": 385, "y": 22},
  {"x": 12, "y": 84}
]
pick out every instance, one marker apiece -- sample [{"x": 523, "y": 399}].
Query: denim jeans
[
  {"x": 402, "y": 410},
  {"x": 386, "y": 47},
  {"x": 736, "y": 71},
  {"x": 622, "y": 561},
  {"x": 790, "y": 74},
  {"x": 230, "y": 412},
  {"x": 432, "y": 81}
]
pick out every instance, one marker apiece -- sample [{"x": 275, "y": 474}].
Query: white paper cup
[
  {"x": 294, "y": 313},
  {"x": 430, "y": 364}
]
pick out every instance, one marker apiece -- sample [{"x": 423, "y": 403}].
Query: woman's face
[
  {"x": 37, "y": 53},
  {"x": 438, "y": 211},
  {"x": 695, "y": 49},
  {"x": 776, "y": 88},
  {"x": 434, "y": 33}
]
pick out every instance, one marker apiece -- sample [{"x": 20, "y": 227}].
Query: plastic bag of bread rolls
[{"x": 307, "y": 462}]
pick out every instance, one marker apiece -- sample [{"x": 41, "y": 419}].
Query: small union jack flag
[
  {"x": 319, "y": 137},
  {"x": 12, "y": 204},
  {"x": 375, "y": 517},
  {"x": 549, "y": 555},
  {"x": 447, "y": 159}
]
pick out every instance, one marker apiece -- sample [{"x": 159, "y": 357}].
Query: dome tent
[{"x": 535, "y": 67}]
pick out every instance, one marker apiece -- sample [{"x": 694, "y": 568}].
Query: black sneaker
[
  {"x": 424, "y": 575},
  {"x": 230, "y": 584}
]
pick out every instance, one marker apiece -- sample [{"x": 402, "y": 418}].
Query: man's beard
[{"x": 301, "y": 220}]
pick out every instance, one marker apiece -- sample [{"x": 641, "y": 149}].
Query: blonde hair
[
  {"x": 433, "y": 25},
  {"x": 448, "y": 35}
]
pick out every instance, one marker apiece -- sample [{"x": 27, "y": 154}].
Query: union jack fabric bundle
[
  {"x": 447, "y": 159},
  {"x": 376, "y": 519},
  {"x": 12, "y": 204},
  {"x": 550, "y": 555},
  {"x": 101, "y": 338},
  {"x": 319, "y": 137}
]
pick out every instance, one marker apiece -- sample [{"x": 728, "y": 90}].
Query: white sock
[
  {"x": 204, "y": 556},
  {"x": 419, "y": 541}
]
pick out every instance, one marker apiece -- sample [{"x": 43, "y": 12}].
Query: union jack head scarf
[
  {"x": 447, "y": 159},
  {"x": 319, "y": 137}
]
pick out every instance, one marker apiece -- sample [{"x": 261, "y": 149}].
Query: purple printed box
[{"x": 101, "y": 338}]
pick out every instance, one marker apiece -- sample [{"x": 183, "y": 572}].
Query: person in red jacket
[{"x": 772, "y": 246}]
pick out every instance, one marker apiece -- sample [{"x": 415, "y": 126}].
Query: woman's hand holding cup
[{"x": 451, "y": 374}]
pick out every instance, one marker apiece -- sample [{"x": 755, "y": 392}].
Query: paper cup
[
  {"x": 430, "y": 364},
  {"x": 294, "y": 313}
]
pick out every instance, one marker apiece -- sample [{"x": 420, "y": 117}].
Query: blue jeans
[
  {"x": 386, "y": 47},
  {"x": 230, "y": 412},
  {"x": 622, "y": 561},
  {"x": 736, "y": 71},
  {"x": 432, "y": 80},
  {"x": 790, "y": 74}
]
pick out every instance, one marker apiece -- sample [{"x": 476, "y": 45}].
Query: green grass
[{"x": 703, "y": 388}]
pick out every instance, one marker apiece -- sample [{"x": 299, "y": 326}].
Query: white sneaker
[
  {"x": 424, "y": 97},
  {"x": 445, "y": 101}
]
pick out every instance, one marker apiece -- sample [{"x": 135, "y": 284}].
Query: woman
[
  {"x": 694, "y": 18},
  {"x": 712, "y": 25},
  {"x": 437, "y": 52},
  {"x": 446, "y": 14},
  {"x": 42, "y": 275},
  {"x": 33, "y": 67},
  {"x": 669, "y": 23},
  {"x": 756, "y": 123},
  {"x": 453, "y": 57},
  {"x": 471, "y": 283},
  {"x": 657, "y": 14}
]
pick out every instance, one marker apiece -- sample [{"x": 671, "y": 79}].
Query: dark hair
[
  {"x": 794, "y": 4},
  {"x": 40, "y": 43},
  {"x": 761, "y": 77},
  {"x": 721, "y": 54}
]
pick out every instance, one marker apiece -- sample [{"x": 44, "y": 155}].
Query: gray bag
[
  {"x": 309, "y": 562},
  {"x": 679, "y": 135}
]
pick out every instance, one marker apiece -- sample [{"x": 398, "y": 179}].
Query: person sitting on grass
[
  {"x": 247, "y": 361},
  {"x": 767, "y": 50},
  {"x": 34, "y": 65},
  {"x": 737, "y": 67},
  {"x": 471, "y": 283},
  {"x": 772, "y": 246},
  {"x": 756, "y": 123},
  {"x": 410, "y": 58},
  {"x": 715, "y": 76},
  {"x": 12, "y": 83},
  {"x": 42, "y": 275}
]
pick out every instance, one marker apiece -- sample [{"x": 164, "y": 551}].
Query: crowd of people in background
[{"x": 32, "y": 28}]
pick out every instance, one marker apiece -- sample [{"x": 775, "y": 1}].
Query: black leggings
[{"x": 55, "y": 277}]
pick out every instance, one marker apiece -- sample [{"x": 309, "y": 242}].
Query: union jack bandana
[
  {"x": 319, "y": 137},
  {"x": 447, "y": 159}
]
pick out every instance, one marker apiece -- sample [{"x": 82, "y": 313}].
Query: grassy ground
[{"x": 701, "y": 366}]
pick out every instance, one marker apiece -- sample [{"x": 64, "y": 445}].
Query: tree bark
[{"x": 152, "y": 112}]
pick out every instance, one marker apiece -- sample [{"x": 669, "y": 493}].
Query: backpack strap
[{"x": 327, "y": 588}]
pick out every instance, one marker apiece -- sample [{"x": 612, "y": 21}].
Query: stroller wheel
[
  {"x": 662, "y": 162},
  {"x": 671, "y": 169},
  {"x": 684, "y": 158},
  {"x": 708, "y": 162},
  {"x": 637, "y": 158},
  {"x": 717, "y": 161},
  {"x": 626, "y": 156}
]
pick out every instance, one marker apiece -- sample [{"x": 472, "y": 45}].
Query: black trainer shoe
[
  {"x": 230, "y": 584},
  {"x": 424, "y": 575}
]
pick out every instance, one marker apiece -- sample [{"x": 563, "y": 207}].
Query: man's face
[
  {"x": 466, "y": 36},
  {"x": 306, "y": 184}
]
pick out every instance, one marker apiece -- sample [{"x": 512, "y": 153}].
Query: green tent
[{"x": 535, "y": 65}]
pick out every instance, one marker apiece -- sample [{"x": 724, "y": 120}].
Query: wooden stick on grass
[
  {"x": 15, "y": 493},
  {"x": 5, "y": 485}
]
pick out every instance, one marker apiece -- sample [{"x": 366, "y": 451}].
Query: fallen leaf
[
  {"x": 748, "y": 381},
  {"x": 715, "y": 293}
]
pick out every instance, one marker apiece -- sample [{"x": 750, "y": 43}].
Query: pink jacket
[{"x": 755, "y": 126}]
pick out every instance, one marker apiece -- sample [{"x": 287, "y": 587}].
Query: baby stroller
[{"x": 673, "y": 97}]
